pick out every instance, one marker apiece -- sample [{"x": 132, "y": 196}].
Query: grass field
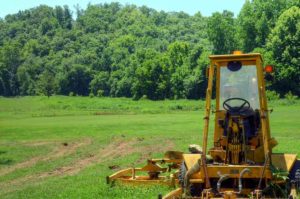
[{"x": 62, "y": 147}]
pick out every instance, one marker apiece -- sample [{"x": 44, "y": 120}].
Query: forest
[{"x": 137, "y": 52}]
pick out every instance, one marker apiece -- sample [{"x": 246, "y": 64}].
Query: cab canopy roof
[{"x": 236, "y": 57}]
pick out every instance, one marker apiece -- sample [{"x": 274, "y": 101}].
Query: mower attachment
[{"x": 154, "y": 169}]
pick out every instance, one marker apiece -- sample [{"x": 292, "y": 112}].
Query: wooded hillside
[{"x": 115, "y": 50}]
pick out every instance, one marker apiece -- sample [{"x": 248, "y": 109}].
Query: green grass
[{"x": 36, "y": 128}]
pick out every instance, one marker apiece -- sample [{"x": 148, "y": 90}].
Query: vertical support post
[
  {"x": 207, "y": 107},
  {"x": 264, "y": 126},
  {"x": 206, "y": 122},
  {"x": 264, "y": 115},
  {"x": 133, "y": 173}
]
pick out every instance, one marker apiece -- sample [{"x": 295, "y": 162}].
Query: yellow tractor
[{"x": 240, "y": 163}]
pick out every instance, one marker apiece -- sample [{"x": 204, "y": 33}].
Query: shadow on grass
[{"x": 5, "y": 161}]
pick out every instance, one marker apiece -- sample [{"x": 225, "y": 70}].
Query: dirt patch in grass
[
  {"x": 117, "y": 149},
  {"x": 114, "y": 150},
  {"x": 65, "y": 148},
  {"x": 38, "y": 143},
  {"x": 156, "y": 147},
  {"x": 61, "y": 149}
]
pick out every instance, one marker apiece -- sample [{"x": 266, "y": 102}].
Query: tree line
[{"x": 129, "y": 51}]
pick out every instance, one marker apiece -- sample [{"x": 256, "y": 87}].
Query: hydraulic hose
[
  {"x": 246, "y": 170},
  {"x": 221, "y": 179}
]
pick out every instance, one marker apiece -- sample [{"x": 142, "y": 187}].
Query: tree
[
  {"x": 179, "y": 84},
  {"x": 152, "y": 77},
  {"x": 100, "y": 82},
  {"x": 178, "y": 53},
  {"x": 256, "y": 20},
  {"x": 78, "y": 79},
  {"x": 9, "y": 63},
  {"x": 46, "y": 84},
  {"x": 284, "y": 43},
  {"x": 28, "y": 74},
  {"x": 221, "y": 32}
]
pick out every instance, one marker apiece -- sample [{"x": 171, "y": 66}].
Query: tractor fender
[
  {"x": 284, "y": 161},
  {"x": 190, "y": 160}
]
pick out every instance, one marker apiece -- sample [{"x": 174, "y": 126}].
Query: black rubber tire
[
  {"x": 292, "y": 177},
  {"x": 182, "y": 172},
  {"x": 294, "y": 169},
  {"x": 291, "y": 197}
]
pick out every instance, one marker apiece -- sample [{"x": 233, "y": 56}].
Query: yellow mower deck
[{"x": 154, "y": 169}]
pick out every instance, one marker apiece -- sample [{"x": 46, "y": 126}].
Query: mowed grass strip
[{"x": 64, "y": 147}]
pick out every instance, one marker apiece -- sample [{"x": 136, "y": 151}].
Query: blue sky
[{"x": 206, "y": 7}]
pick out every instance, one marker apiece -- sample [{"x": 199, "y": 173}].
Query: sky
[{"x": 206, "y": 7}]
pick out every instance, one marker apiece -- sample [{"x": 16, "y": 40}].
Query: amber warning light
[
  {"x": 237, "y": 52},
  {"x": 269, "y": 69}
]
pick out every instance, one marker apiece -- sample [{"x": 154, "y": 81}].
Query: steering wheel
[{"x": 245, "y": 106}]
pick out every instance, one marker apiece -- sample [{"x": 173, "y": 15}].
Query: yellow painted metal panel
[
  {"x": 236, "y": 57},
  {"x": 283, "y": 161},
  {"x": 190, "y": 159}
]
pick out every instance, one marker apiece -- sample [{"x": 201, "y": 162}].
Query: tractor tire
[
  {"x": 294, "y": 171},
  {"x": 195, "y": 189},
  {"x": 294, "y": 177},
  {"x": 181, "y": 174}
]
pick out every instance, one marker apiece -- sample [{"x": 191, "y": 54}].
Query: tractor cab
[{"x": 240, "y": 105}]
